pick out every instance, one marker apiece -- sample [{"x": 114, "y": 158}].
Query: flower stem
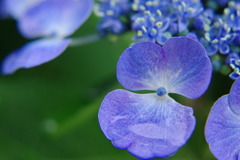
[{"x": 85, "y": 40}]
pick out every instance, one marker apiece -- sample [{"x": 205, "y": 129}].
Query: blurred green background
[{"x": 50, "y": 112}]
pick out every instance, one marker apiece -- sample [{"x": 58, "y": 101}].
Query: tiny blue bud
[{"x": 161, "y": 91}]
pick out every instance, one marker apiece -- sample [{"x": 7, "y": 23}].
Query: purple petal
[
  {"x": 55, "y": 18},
  {"x": 224, "y": 49},
  {"x": 33, "y": 54},
  {"x": 141, "y": 66},
  {"x": 234, "y": 76},
  {"x": 234, "y": 97},
  {"x": 16, "y": 8},
  {"x": 192, "y": 35},
  {"x": 223, "y": 131},
  {"x": 181, "y": 66},
  {"x": 189, "y": 68},
  {"x": 165, "y": 25},
  {"x": 211, "y": 48},
  {"x": 182, "y": 23},
  {"x": 146, "y": 125},
  {"x": 163, "y": 37}
]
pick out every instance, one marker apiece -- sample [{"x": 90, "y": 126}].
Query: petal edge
[
  {"x": 33, "y": 54},
  {"x": 144, "y": 124}
]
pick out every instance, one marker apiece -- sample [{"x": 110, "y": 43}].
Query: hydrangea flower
[
  {"x": 232, "y": 15},
  {"x": 218, "y": 37},
  {"x": 151, "y": 27},
  {"x": 223, "y": 125},
  {"x": 157, "y": 20},
  {"x": 153, "y": 124},
  {"x": 111, "y": 12},
  {"x": 53, "y": 21},
  {"x": 140, "y": 6},
  {"x": 204, "y": 20},
  {"x": 151, "y": 20},
  {"x": 184, "y": 10},
  {"x": 235, "y": 65}
]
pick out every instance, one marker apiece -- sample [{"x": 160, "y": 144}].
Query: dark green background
[{"x": 50, "y": 112}]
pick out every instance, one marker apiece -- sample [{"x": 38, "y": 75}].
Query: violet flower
[
  {"x": 218, "y": 38},
  {"x": 223, "y": 125},
  {"x": 155, "y": 125},
  {"x": 111, "y": 13},
  {"x": 53, "y": 21},
  {"x": 151, "y": 27},
  {"x": 232, "y": 15},
  {"x": 184, "y": 10}
]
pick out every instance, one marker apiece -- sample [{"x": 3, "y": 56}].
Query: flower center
[{"x": 161, "y": 91}]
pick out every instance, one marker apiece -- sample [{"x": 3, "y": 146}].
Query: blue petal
[
  {"x": 192, "y": 35},
  {"x": 223, "y": 131},
  {"x": 224, "y": 48},
  {"x": 165, "y": 25},
  {"x": 173, "y": 27},
  {"x": 55, "y": 18},
  {"x": 146, "y": 125},
  {"x": 234, "y": 97},
  {"x": 112, "y": 25},
  {"x": 141, "y": 66},
  {"x": 33, "y": 54},
  {"x": 231, "y": 56},
  {"x": 182, "y": 24},
  {"x": 17, "y": 8},
  {"x": 181, "y": 66},
  {"x": 163, "y": 37},
  {"x": 189, "y": 68},
  {"x": 211, "y": 48},
  {"x": 234, "y": 76}
]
